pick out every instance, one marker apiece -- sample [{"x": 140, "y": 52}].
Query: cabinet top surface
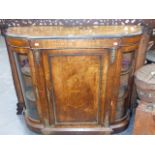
[{"x": 66, "y": 32}]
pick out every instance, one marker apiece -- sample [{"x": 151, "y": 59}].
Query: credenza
[{"x": 76, "y": 79}]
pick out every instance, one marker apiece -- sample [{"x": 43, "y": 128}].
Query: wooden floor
[{"x": 10, "y": 123}]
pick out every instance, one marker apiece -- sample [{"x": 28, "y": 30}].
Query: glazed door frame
[
  {"x": 36, "y": 79},
  {"x": 21, "y": 102},
  {"x": 110, "y": 66}
]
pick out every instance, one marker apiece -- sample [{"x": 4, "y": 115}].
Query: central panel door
[
  {"x": 75, "y": 79},
  {"x": 76, "y": 87}
]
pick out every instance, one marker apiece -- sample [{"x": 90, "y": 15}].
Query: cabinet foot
[{"x": 19, "y": 108}]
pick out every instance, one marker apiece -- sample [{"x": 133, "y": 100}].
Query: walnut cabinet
[{"x": 75, "y": 80}]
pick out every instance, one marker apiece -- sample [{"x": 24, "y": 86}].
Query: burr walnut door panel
[{"x": 77, "y": 85}]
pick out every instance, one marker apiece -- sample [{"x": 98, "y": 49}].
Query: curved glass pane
[
  {"x": 24, "y": 72},
  {"x": 127, "y": 61},
  {"x": 120, "y": 109}
]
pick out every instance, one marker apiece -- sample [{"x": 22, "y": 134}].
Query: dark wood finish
[
  {"x": 18, "y": 42},
  {"x": 76, "y": 76}
]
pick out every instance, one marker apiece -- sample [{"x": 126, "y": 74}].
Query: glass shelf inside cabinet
[
  {"x": 30, "y": 95},
  {"x": 26, "y": 70},
  {"x": 27, "y": 86}
]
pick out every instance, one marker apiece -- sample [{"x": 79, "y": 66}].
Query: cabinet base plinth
[{"x": 66, "y": 130}]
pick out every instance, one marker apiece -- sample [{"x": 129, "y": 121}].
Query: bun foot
[{"x": 19, "y": 108}]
